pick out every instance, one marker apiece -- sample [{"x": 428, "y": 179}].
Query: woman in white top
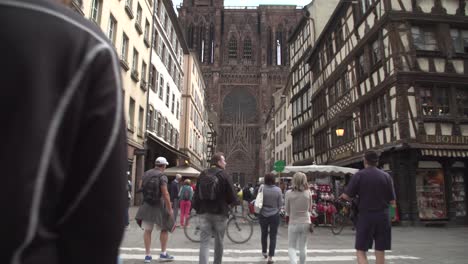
[{"x": 298, "y": 203}]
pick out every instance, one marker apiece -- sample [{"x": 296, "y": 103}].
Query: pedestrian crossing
[{"x": 190, "y": 255}]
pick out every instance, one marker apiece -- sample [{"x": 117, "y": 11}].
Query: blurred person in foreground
[
  {"x": 64, "y": 153},
  {"x": 376, "y": 193}
]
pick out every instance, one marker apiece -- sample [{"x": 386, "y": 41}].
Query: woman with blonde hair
[
  {"x": 185, "y": 198},
  {"x": 298, "y": 203}
]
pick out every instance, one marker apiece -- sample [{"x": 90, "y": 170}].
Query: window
[
  {"x": 424, "y": 38},
  {"x": 374, "y": 112},
  {"x": 320, "y": 142},
  {"x": 96, "y": 11},
  {"x": 165, "y": 128},
  {"x": 319, "y": 105},
  {"x": 131, "y": 114},
  {"x": 361, "y": 67},
  {"x": 112, "y": 30},
  {"x": 329, "y": 49},
  {"x": 135, "y": 60},
  {"x": 140, "y": 121},
  {"x": 143, "y": 72},
  {"x": 124, "y": 51},
  {"x": 247, "y": 48},
  {"x": 147, "y": 25},
  {"x": 158, "y": 124},
  {"x": 375, "y": 52},
  {"x": 173, "y": 104},
  {"x": 462, "y": 101},
  {"x": 168, "y": 94},
  {"x": 232, "y": 53},
  {"x": 138, "y": 14},
  {"x": 435, "y": 100},
  {"x": 460, "y": 40},
  {"x": 154, "y": 79},
  {"x": 177, "y": 111},
  {"x": 151, "y": 119},
  {"x": 161, "y": 87}
]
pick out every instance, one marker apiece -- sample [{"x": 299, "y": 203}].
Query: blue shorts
[{"x": 373, "y": 226}]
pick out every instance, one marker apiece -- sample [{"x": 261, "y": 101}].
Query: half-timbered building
[{"x": 392, "y": 74}]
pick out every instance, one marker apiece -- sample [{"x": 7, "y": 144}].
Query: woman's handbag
[{"x": 259, "y": 201}]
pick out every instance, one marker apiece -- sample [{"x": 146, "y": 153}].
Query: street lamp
[{"x": 339, "y": 132}]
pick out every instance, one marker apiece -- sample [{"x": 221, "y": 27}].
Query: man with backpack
[
  {"x": 156, "y": 209},
  {"x": 247, "y": 196},
  {"x": 213, "y": 196},
  {"x": 174, "y": 193}
]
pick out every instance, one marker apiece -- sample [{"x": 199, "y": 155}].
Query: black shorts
[{"x": 373, "y": 226}]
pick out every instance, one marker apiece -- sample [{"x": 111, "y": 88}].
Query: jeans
[
  {"x": 212, "y": 225},
  {"x": 297, "y": 234},
  {"x": 273, "y": 223},
  {"x": 185, "y": 206},
  {"x": 175, "y": 208}
]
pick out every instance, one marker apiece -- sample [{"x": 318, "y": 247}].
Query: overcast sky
[{"x": 258, "y": 2}]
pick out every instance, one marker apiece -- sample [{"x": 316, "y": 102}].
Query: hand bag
[{"x": 259, "y": 201}]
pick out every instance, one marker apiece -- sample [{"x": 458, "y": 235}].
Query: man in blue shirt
[{"x": 375, "y": 190}]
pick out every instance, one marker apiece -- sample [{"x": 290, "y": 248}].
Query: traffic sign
[{"x": 279, "y": 165}]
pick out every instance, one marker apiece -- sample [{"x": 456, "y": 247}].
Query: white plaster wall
[
  {"x": 439, "y": 65},
  {"x": 459, "y": 66},
  {"x": 451, "y": 6},
  {"x": 430, "y": 128},
  {"x": 423, "y": 64},
  {"x": 446, "y": 129},
  {"x": 426, "y": 5},
  {"x": 464, "y": 130}
]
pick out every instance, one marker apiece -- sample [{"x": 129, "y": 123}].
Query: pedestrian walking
[
  {"x": 298, "y": 204},
  {"x": 247, "y": 196},
  {"x": 213, "y": 196},
  {"x": 185, "y": 198},
  {"x": 156, "y": 210},
  {"x": 64, "y": 145},
  {"x": 269, "y": 215},
  {"x": 129, "y": 199},
  {"x": 174, "y": 193},
  {"x": 376, "y": 193}
]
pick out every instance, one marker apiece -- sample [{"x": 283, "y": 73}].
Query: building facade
[
  {"x": 392, "y": 74},
  {"x": 283, "y": 139},
  {"x": 243, "y": 56},
  {"x": 166, "y": 86},
  {"x": 127, "y": 25},
  {"x": 315, "y": 17},
  {"x": 194, "y": 121}
]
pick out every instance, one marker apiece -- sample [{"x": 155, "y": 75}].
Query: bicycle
[
  {"x": 340, "y": 218},
  {"x": 239, "y": 229}
]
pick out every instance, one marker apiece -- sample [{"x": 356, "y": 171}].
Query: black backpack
[
  {"x": 151, "y": 189},
  {"x": 210, "y": 185}
]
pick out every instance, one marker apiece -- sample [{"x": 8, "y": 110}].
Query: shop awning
[
  {"x": 168, "y": 147},
  {"x": 320, "y": 169},
  {"x": 185, "y": 171},
  {"x": 454, "y": 153}
]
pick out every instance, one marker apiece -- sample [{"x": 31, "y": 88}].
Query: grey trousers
[
  {"x": 175, "y": 208},
  {"x": 212, "y": 225},
  {"x": 297, "y": 235}
]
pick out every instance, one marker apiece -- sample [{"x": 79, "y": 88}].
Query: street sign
[{"x": 279, "y": 165}]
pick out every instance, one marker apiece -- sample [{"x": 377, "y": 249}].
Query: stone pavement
[{"x": 411, "y": 245}]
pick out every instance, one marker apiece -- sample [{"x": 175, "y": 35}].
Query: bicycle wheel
[
  {"x": 192, "y": 228},
  {"x": 239, "y": 229},
  {"x": 338, "y": 222},
  {"x": 253, "y": 216}
]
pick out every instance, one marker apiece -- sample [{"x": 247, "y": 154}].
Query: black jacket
[
  {"x": 63, "y": 151},
  {"x": 220, "y": 206}
]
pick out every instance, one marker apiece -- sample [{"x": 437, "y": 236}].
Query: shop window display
[
  {"x": 458, "y": 192},
  {"x": 430, "y": 192}
]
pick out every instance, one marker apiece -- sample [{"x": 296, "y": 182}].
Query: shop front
[{"x": 430, "y": 184}]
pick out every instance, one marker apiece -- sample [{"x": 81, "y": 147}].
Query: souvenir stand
[{"x": 326, "y": 183}]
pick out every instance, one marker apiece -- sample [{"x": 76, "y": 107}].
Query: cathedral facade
[{"x": 244, "y": 59}]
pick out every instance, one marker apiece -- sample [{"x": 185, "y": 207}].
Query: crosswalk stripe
[
  {"x": 244, "y": 251},
  {"x": 277, "y": 258}
]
